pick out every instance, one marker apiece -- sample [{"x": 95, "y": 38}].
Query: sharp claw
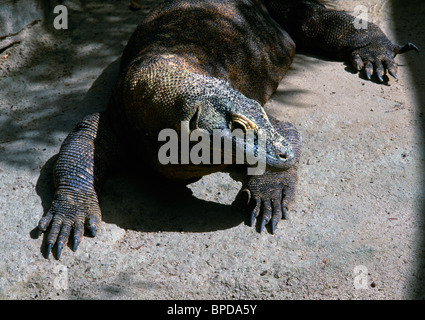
[
  {"x": 49, "y": 248},
  {"x": 76, "y": 243},
  {"x": 408, "y": 47},
  {"x": 253, "y": 219},
  {"x": 392, "y": 74},
  {"x": 93, "y": 230},
  {"x": 248, "y": 194},
  {"x": 415, "y": 47},
  {"x": 357, "y": 62},
  {"x": 368, "y": 75},
  {"x": 59, "y": 251},
  {"x": 358, "y": 67},
  {"x": 369, "y": 70},
  {"x": 284, "y": 213},
  {"x": 411, "y": 46},
  {"x": 274, "y": 223},
  {"x": 255, "y": 211},
  {"x": 263, "y": 223},
  {"x": 380, "y": 77}
]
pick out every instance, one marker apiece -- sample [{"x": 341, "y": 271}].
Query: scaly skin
[
  {"x": 273, "y": 192},
  {"x": 339, "y": 35},
  {"x": 95, "y": 151},
  {"x": 206, "y": 65}
]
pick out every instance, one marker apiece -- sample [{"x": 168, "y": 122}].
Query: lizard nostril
[{"x": 283, "y": 155}]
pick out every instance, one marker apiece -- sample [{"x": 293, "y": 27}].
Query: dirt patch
[{"x": 357, "y": 214}]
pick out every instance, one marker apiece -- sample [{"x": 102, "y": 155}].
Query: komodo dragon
[{"x": 206, "y": 65}]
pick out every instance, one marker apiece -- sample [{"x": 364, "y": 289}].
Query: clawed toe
[
  {"x": 272, "y": 212},
  {"x": 65, "y": 218},
  {"x": 408, "y": 47}
]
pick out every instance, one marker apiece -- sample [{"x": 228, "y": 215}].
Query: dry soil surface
[{"x": 355, "y": 230}]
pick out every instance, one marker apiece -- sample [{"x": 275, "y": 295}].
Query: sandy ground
[{"x": 355, "y": 230}]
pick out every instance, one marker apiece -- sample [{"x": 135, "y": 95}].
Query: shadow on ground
[
  {"x": 140, "y": 201},
  {"x": 64, "y": 61},
  {"x": 409, "y": 16},
  {"x": 144, "y": 201},
  {"x": 137, "y": 198}
]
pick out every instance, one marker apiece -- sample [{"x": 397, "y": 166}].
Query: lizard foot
[
  {"x": 67, "y": 214},
  {"x": 271, "y": 194},
  {"x": 378, "y": 58}
]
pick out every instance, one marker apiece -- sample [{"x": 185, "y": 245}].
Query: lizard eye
[
  {"x": 237, "y": 125},
  {"x": 240, "y": 122}
]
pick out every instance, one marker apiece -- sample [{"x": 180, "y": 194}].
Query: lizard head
[{"x": 244, "y": 122}]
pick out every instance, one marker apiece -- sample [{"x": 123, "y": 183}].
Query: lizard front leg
[
  {"x": 85, "y": 156},
  {"x": 314, "y": 27},
  {"x": 272, "y": 192}
]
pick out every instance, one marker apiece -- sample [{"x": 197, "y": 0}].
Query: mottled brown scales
[{"x": 207, "y": 65}]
